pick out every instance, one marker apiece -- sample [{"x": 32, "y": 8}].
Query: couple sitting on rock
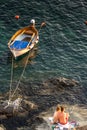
[
  {"x": 60, "y": 116},
  {"x": 60, "y": 119}
]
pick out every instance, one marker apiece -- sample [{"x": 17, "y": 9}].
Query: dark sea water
[{"x": 62, "y": 48}]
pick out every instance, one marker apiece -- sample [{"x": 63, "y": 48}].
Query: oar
[
  {"x": 85, "y": 22},
  {"x": 42, "y": 24},
  {"x": 31, "y": 39}
]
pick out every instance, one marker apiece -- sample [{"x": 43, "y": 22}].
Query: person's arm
[
  {"x": 55, "y": 117},
  {"x": 67, "y": 117}
]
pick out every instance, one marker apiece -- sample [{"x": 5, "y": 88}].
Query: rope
[
  {"x": 11, "y": 79},
  {"x": 19, "y": 79},
  {"x": 21, "y": 75}
]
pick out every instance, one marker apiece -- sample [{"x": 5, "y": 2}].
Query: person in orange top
[
  {"x": 56, "y": 113},
  {"x": 63, "y": 117}
]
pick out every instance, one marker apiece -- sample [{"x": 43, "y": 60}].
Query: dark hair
[
  {"x": 62, "y": 108},
  {"x": 57, "y": 108}
]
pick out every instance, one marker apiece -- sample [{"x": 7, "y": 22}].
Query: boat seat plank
[
  {"x": 27, "y": 39},
  {"x": 29, "y": 32}
]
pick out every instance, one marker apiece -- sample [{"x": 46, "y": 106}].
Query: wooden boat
[{"x": 23, "y": 41}]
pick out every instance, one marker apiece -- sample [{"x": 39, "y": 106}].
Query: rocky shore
[{"x": 40, "y": 100}]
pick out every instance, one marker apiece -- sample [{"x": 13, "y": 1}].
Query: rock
[
  {"x": 39, "y": 97},
  {"x": 2, "y": 127},
  {"x": 30, "y": 104},
  {"x": 64, "y": 82},
  {"x": 82, "y": 128},
  {"x": 23, "y": 110}
]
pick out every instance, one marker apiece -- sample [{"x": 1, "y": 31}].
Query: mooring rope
[
  {"x": 11, "y": 79},
  {"x": 19, "y": 79},
  {"x": 20, "y": 76}
]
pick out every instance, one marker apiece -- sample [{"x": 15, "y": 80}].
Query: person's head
[
  {"x": 62, "y": 108},
  {"x": 32, "y": 21},
  {"x": 58, "y": 108}
]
